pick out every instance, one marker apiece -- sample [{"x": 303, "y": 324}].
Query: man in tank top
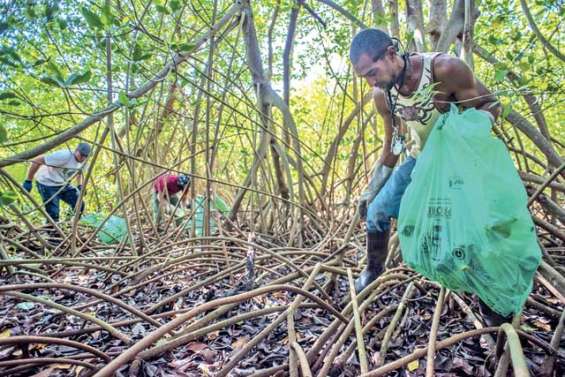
[{"x": 410, "y": 92}]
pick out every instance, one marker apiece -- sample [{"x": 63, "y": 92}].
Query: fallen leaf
[
  {"x": 138, "y": 330},
  {"x": 541, "y": 324},
  {"x": 375, "y": 358},
  {"x": 213, "y": 335},
  {"x": 196, "y": 347},
  {"x": 240, "y": 342},
  {"x": 463, "y": 364},
  {"x": 61, "y": 366},
  {"x": 205, "y": 370},
  {"x": 208, "y": 355},
  {"x": 5, "y": 333},
  {"x": 79, "y": 369},
  {"x": 38, "y": 346},
  {"x": 413, "y": 365}
]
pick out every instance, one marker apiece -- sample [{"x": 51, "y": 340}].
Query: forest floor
[{"x": 232, "y": 327}]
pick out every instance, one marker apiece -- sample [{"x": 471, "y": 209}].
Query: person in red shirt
[{"x": 168, "y": 189}]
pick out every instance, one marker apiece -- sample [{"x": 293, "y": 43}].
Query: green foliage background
[{"x": 53, "y": 74}]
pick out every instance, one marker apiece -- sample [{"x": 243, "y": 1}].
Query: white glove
[{"x": 380, "y": 175}]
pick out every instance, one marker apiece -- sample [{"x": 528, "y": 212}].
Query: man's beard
[
  {"x": 386, "y": 85},
  {"x": 389, "y": 84}
]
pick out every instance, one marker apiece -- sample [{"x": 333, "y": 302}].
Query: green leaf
[
  {"x": 3, "y": 134},
  {"x": 91, "y": 18},
  {"x": 14, "y": 103},
  {"x": 62, "y": 23},
  {"x": 500, "y": 74},
  {"x": 133, "y": 103},
  {"x": 506, "y": 109},
  {"x": 524, "y": 66},
  {"x": 174, "y": 5},
  {"x": 494, "y": 40},
  {"x": 52, "y": 81},
  {"x": 382, "y": 19},
  {"x": 53, "y": 68},
  {"x": 138, "y": 54},
  {"x": 107, "y": 17},
  {"x": 123, "y": 98},
  {"x": 3, "y": 27},
  {"x": 7, "y": 95},
  {"x": 30, "y": 10},
  {"x": 8, "y": 61},
  {"x": 186, "y": 47},
  {"x": 78, "y": 78},
  {"x": 50, "y": 10},
  {"x": 162, "y": 9},
  {"x": 39, "y": 62},
  {"x": 10, "y": 56},
  {"x": 7, "y": 197}
]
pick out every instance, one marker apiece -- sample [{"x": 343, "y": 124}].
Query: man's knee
[
  {"x": 52, "y": 208},
  {"x": 377, "y": 221}
]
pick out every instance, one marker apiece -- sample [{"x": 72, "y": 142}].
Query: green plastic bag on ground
[
  {"x": 113, "y": 231},
  {"x": 464, "y": 220},
  {"x": 216, "y": 205}
]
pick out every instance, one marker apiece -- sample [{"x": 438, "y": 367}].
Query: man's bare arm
[
  {"x": 80, "y": 178},
  {"x": 162, "y": 198},
  {"x": 35, "y": 164},
  {"x": 387, "y": 157},
  {"x": 460, "y": 82}
]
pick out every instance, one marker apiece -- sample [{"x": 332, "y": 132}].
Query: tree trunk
[
  {"x": 332, "y": 151},
  {"x": 531, "y": 100},
  {"x": 536, "y": 137},
  {"x": 454, "y": 26},
  {"x": 415, "y": 23},
  {"x": 266, "y": 97},
  {"x": 394, "y": 23},
  {"x": 467, "y": 52},
  {"x": 379, "y": 16},
  {"x": 139, "y": 92},
  {"x": 258, "y": 76},
  {"x": 436, "y": 22}
]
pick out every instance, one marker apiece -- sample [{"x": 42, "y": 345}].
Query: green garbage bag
[
  {"x": 216, "y": 205},
  {"x": 463, "y": 219},
  {"x": 113, "y": 231}
]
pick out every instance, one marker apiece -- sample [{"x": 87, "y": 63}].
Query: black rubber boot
[
  {"x": 492, "y": 318},
  {"x": 377, "y": 250}
]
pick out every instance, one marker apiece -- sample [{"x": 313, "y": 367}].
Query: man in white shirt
[{"x": 54, "y": 172}]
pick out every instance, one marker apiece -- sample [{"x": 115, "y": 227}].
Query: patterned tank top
[{"x": 417, "y": 111}]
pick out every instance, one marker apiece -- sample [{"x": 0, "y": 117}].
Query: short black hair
[{"x": 372, "y": 42}]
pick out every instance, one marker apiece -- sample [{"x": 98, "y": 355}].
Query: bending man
[
  {"x": 166, "y": 190},
  {"x": 53, "y": 173}
]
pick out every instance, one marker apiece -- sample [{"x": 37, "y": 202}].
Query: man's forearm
[
  {"x": 161, "y": 196},
  {"x": 388, "y": 158},
  {"x": 33, "y": 169},
  {"x": 379, "y": 175}
]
